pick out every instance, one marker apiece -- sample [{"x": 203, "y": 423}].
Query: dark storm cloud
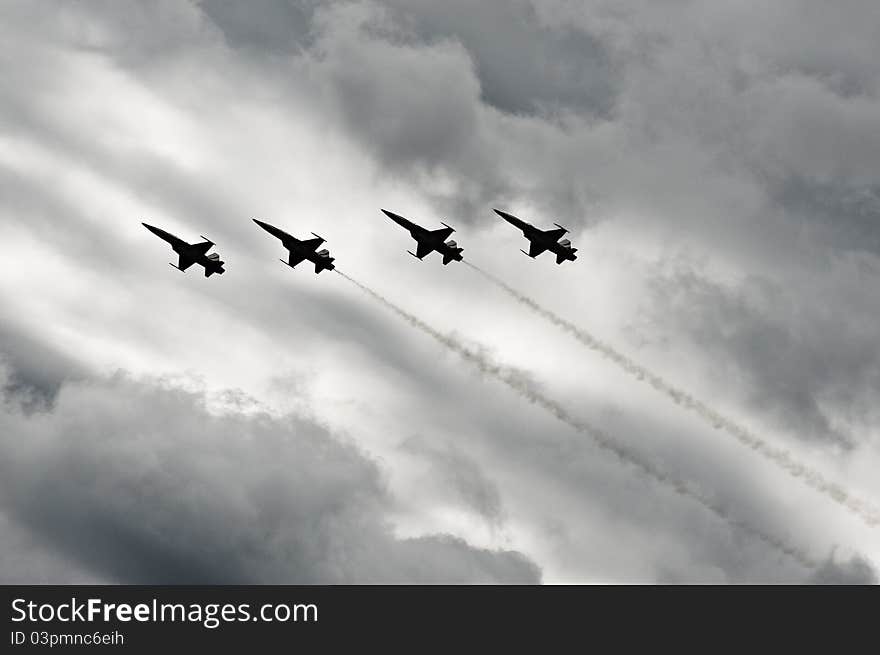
[
  {"x": 854, "y": 571},
  {"x": 34, "y": 372},
  {"x": 139, "y": 483},
  {"x": 523, "y": 66},
  {"x": 845, "y": 217},
  {"x": 264, "y": 25},
  {"x": 27, "y": 559}
]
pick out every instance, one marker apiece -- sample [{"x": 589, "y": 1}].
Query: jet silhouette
[
  {"x": 190, "y": 253},
  {"x": 541, "y": 240},
  {"x": 300, "y": 250},
  {"x": 429, "y": 240}
]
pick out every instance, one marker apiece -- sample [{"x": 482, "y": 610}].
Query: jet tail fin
[
  {"x": 453, "y": 256},
  {"x": 561, "y": 257}
]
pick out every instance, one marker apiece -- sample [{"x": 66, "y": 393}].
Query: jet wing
[
  {"x": 294, "y": 258},
  {"x": 556, "y": 233},
  {"x": 185, "y": 261},
  {"x": 443, "y": 233},
  {"x": 202, "y": 247},
  {"x": 423, "y": 249},
  {"x": 312, "y": 244},
  {"x": 536, "y": 248}
]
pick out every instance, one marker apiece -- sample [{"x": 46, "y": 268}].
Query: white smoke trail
[
  {"x": 778, "y": 456},
  {"x": 521, "y": 386}
]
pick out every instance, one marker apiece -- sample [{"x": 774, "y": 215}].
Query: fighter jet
[
  {"x": 541, "y": 240},
  {"x": 429, "y": 240},
  {"x": 300, "y": 250},
  {"x": 190, "y": 253}
]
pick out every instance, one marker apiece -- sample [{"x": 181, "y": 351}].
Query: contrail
[
  {"x": 780, "y": 457},
  {"x": 521, "y": 386}
]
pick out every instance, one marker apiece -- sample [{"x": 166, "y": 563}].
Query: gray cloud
[
  {"x": 844, "y": 217},
  {"x": 414, "y": 106},
  {"x": 523, "y": 65},
  {"x": 265, "y": 25},
  {"x": 854, "y": 571},
  {"x": 463, "y": 474},
  {"x": 796, "y": 364},
  {"x": 26, "y": 558},
  {"x": 34, "y": 372},
  {"x": 139, "y": 483}
]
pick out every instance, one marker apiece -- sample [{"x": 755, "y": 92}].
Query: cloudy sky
[{"x": 718, "y": 164}]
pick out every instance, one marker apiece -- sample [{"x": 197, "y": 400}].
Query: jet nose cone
[{"x": 397, "y": 218}]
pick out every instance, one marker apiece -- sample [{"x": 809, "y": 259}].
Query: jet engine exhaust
[
  {"x": 778, "y": 456},
  {"x": 520, "y": 386}
]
